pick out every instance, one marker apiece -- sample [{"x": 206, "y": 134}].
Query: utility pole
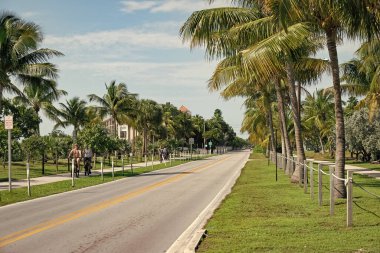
[{"x": 204, "y": 130}]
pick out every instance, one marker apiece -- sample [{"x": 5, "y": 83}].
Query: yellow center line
[{"x": 19, "y": 235}]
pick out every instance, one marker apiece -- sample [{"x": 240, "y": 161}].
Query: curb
[{"x": 189, "y": 240}]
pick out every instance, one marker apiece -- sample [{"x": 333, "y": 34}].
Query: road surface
[{"x": 146, "y": 213}]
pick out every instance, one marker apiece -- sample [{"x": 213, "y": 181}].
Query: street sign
[
  {"x": 191, "y": 140},
  {"x": 8, "y": 122},
  {"x": 210, "y": 144}
]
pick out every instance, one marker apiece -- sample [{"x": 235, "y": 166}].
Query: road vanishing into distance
[{"x": 146, "y": 213}]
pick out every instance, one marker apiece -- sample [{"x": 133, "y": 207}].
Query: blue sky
[{"x": 135, "y": 42}]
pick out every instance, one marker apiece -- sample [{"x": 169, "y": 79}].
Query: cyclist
[
  {"x": 77, "y": 155},
  {"x": 87, "y": 154}
]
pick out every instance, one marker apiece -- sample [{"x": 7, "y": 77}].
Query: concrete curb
[{"x": 189, "y": 240}]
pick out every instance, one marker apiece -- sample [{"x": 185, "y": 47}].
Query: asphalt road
[{"x": 146, "y": 213}]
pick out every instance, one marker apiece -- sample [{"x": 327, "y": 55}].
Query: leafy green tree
[
  {"x": 363, "y": 136},
  {"x": 25, "y": 121},
  {"x": 20, "y": 56},
  {"x": 218, "y": 131},
  {"x": 39, "y": 94},
  {"x": 59, "y": 145},
  {"x": 35, "y": 146},
  {"x": 96, "y": 137},
  {"x": 198, "y": 123}
]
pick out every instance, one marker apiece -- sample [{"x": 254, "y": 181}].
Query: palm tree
[
  {"x": 333, "y": 19},
  {"x": 168, "y": 113},
  {"x": 319, "y": 111},
  {"x": 40, "y": 95},
  {"x": 73, "y": 113},
  {"x": 148, "y": 117},
  {"x": 117, "y": 103},
  {"x": 20, "y": 57},
  {"x": 258, "y": 45},
  {"x": 362, "y": 76}
]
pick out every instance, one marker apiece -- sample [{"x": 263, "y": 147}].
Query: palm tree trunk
[
  {"x": 43, "y": 163},
  {"x": 38, "y": 124},
  {"x": 299, "y": 98},
  {"x": 1, "y": 97},
  {"x": 145, "y": 140},
  {"x": 340, "y": 189},
  {"x": 321, "y": 143},
  {"x": 298, "y": 172},
  {"x": 75, "y": 135},
  {"x": 129, "y": 133},
  {"x": 115, "y": 132},
  {"x": 281, "y": 110},
  {"x": 270, "y": 123}
]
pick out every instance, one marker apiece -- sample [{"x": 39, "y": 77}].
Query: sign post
[
  {"x": 8, "y": 121},
  {"x": 210, "y": 145}
]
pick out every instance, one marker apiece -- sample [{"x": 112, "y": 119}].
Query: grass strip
[
  {"x": 262, "y": 215},
  {"x": 20, "y": 194}
]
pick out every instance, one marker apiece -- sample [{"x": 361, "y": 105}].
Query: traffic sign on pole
[{"x": 8, "y": 122}]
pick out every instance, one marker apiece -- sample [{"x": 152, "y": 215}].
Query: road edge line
[{"x": 189, "y": 239}]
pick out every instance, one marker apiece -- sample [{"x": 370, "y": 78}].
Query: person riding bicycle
[
  {"x": 77, "y": 155},
  {"x": 87, "y": 154}
]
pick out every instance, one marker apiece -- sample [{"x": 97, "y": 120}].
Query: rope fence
[{"x": 288, "y": 164}]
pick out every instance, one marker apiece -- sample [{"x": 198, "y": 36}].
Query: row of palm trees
[
  {"x": 26, "y": 72},
  {"x": 265, "y": 50}
]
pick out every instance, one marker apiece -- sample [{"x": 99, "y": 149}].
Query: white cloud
[
  {"x": 171, "y": 5},
  {"x": 131, "y": 6},
  {"x": 29, "y": 14},
  {"x": 120, "y": 41}
]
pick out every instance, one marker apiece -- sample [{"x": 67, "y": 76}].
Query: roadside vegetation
[
  {"x": 262, "y": 215},
  {"x": 29, "y": 87}
]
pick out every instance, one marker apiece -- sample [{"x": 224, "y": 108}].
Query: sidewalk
[
  {"x": 67, "y": 176},
  {"x": 356, "y": 169}
]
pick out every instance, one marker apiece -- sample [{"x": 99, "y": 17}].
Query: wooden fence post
[
  {"x": 332, "y": 197},
  {"x": 320, "y": 166},
  {"x": 304, "y": 177},
  {"x": 311, "y": 180},
  {"x": 349, "y": 198}
]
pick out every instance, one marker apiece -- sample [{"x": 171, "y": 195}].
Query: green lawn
[
  {"x": 19, "y": 168},
  {"x": 261, "y": 215},
  {"x": 38, "y": 191}
]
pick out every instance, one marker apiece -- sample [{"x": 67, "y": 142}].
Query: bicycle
[
  {"x": 76, "y": 167},
  {"x": 87, "y": 166}
]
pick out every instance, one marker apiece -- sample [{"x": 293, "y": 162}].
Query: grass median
[
  {"x": 262, "y": 215},
  {"x": 20, "y": 194}
]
